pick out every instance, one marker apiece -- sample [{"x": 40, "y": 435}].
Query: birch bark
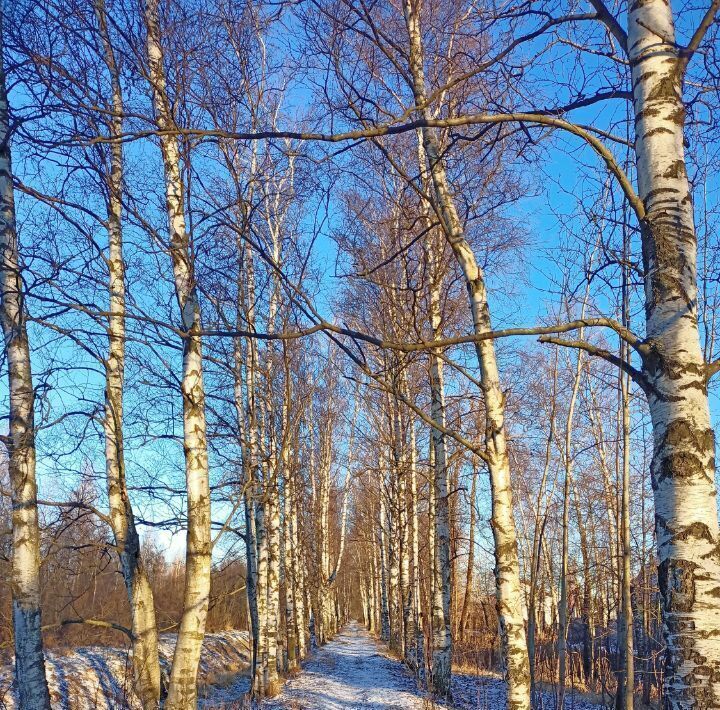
[
  {"x": 384, "y": 605},
  {"x": 25, "y": 574},
  {"x": 507, "y": 568},
  {"x": 683, "y": 466},
  {"x": 182, "y": 692},
  {"x": 146, "y": 663}
]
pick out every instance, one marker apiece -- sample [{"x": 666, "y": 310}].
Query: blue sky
[{"x": 552, "y": 184}]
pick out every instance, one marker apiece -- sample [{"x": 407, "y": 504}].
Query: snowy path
[{"x": 350, "y": 672}]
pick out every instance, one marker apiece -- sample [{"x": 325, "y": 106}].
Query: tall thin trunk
[
  {"x": 260, "y": 678},
  {"x": 25, "y": 575},
  {"x": 415, "y": 552},
  {"x": 290, "y": 523},
  {"x": 541, "y": 514},
  {"x": 440, "y": 572},
  {"x": 182, "y": 692},
  {"x": 393, "y": 548},
  {"x": 273, "y": 586},
  {"x": 470, "y": 560},
  {"x": 146, "y": 663},
  {"x": 587, "y": 605},
  {"x": 626, "y": 681},
  {"x": 405, "y": 589},
  {"x": 563, "y": 608},
  {"x": 507, "y": 567},
  {"x": 252, "y": 576},
  {"x": 683, "y": 465},
  {"x": 384, "y": 603},
  {"x": 568, "y": 461},
  {"x": 301, "y": 606},
  {"x": 441, "y": 569}
]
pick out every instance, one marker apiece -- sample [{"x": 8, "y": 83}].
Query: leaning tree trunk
[
  {"x": 507, "y": 566},
  {"x": 146, "y": 664},
  {"x": 182, "y": 692},
  {"x": 25, "y": 575},
  {"x": 683, "y": 465}
]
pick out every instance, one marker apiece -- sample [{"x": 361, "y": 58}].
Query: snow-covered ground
[
  {"x": 487, "y": 692},
  {"x": 99, "y": 677},
  {"x": 353, "y": 671}
]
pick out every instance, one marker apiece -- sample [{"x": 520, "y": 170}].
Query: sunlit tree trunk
[
  {"x": 384, "y": 605},
  {"x": 441, "y": 571},
  {"x": 541, "y": 515},
  {"x": 683, "y": 465},
  {"x": 259, "y": 681},
  {"x": 439, "y": 507},
  {"x": 567, "y": 486},
  {"x": 430, "y": 545},
  {"x": 470, "y": 560},
  {"x": 146, "y": 664},
  {"x": 25, "y": 575},
  {"x": 626, "y": 680},
  {"x": 301, "y": 589},
  {"x": 507, "y": 567},
  {"x": 290, "y": 523},
  {"x": 415, "y": 553},
  {"x": 587, "y": 605},
  {"x": 182, "y": 692},
  {"x": 273, "y": 587}
]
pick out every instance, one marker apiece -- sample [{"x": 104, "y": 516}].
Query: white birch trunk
[
  {"x": 260, "y": 678},
  {"x": 182, "y": 692},
  {"x": 568, "y": 461},
  {"x": 441, "y": 570},
  {"x": 415, "y": 553},
  {"x": 290, "y": 524},
  {"x": 507, "y": 567},
  {"x": 146, "y": 663},
  {"x": 683, "y": 466},
  {"x": 25, "y": 575},
  {"x": 301, "y": 606},
  {"x": 626, "y": 681},
  {"x": 384, "y": 602},
  {"x": 273, "y": 588}
]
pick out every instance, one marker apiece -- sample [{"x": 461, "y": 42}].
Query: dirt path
[{"x": 350, "y": 672}]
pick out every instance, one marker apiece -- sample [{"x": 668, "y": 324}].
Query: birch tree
[
  {"x": 29, "y": 658},
  {"x": 182, "y": 692},
  {"x": 146, "y": 664},
  {"x": 674, "y": 373},
  {"x": 509, "y": 596}
]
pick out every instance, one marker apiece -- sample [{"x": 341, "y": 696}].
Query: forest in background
[{"x": 402, "y": 312}]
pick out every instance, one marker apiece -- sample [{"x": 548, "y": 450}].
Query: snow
[
  {"x": 487, "y": 692},
  {"x": 100, "y": 677},
  {"x": 351, "y": 671}
]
